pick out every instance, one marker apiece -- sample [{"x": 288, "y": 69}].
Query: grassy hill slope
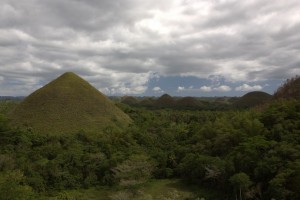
[
  {"x": 68, "y": 104},
  {"x": 165, "y": 101},
  {"x": 253, "y": 99},
  {"x": 188, "y": 102}
]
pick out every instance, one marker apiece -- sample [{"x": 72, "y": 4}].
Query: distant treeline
[
  {"x": 17, "y": 98},
  {"x": 198, "y": 103}
]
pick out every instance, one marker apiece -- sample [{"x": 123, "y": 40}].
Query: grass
[
  {"x": 7, "y": 106},
  {"x": 154, "y": 190},
  {"x": 66, "y": 105},
  {"x": 166, "y": 187}
]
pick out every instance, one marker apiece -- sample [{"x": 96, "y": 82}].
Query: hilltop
[
  {"x": 252, "y": 99},
  {"x": 129, "y": 100},
  {"x": 188, "y": 102},
  {"x": 68, "y": 104},
  {"x": 164, "y": 101}
]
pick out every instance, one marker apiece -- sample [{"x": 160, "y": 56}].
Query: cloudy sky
[{"x": 138, "y": 47}]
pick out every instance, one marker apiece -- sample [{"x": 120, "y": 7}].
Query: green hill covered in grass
[
  {"x": 188, "y": 103},
  {"x": 164, "y": 101},
  {"x": 129, "y": 100},
  {"x": 68, "y": 104},
  {"x": 252, "y": 99}
]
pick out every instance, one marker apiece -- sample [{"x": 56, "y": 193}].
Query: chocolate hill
[
  {"x": 252, "y": 99},
  {"x": 165, "y": 101},
  {"x": 68, "y": 104},
  {"x": 129, "y": 100},
  {"x": 188, "y": 102},
  {"x": 147, "y": 102}
]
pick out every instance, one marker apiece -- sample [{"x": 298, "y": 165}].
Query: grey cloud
[{"x": 118, "y": 45}]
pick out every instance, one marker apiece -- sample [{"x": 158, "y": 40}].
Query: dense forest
[
  {"x": 226, "y": 153},
  {"x": 232, "y": 154}
]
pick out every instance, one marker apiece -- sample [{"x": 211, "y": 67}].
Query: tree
[
  {"x": 240, "y": 181},
  {"x": 133, "y": 171},
  {"x": 13, "y": 187},
  {"x": 64, "y": 196},
  {"x": 278, "y": 184}
]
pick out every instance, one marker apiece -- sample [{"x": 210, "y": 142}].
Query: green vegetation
[
  {"x": 249, "y": 100},
  {"x": 161, "y": 189},
  {"x": 290, "y": 89},
  {"x": 7, "y": 106},
  {"x": 220, "y": 154},
  {"x": 66, "y": 105},
  {"x": 162, "y": 154}
]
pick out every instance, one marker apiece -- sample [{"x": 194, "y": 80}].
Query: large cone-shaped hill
[
  {"x": 252, "y": 99},
  {"x": 129, "y": 100},
  {"x": 68, "y": 104},
  {"x": 165, "y": 101},
  {"x": 188, "y": 102}
]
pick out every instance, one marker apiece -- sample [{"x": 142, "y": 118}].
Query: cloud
[
  {"x": 223, "y": 88},
  {"x": 157, "y": 90},
  {"x": 180, "y": 88},
  {"x": 247, "y": 88},
  {"x": 123, "y": 83},
  {"x": 206, "y": 89},
  {"x": 119, "y": 45}
]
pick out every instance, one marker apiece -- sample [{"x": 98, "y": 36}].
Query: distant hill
[
  {"x": 290, "y": 89},
  {"x": 252, "y": 99},
  {"x": 188, "y": 102},
  {"x": 129, "y": 100},
  {"x": 164, "y": 101},
  {"x": 67, "y": 105},
  {"x": 147, "y": 102}
]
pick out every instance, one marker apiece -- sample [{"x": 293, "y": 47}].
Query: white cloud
[
  {"x": 206, "y": 89},
  {"x": 157, "y": 90},
  {"x": 121, "y": 83},
  {"x": 222, "y": 88},
  {"x": 246, "y": 88},
  {"x": 180, "y": 88}
]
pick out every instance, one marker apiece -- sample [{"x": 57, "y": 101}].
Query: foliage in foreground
[{"x": 242, "y": 155}]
